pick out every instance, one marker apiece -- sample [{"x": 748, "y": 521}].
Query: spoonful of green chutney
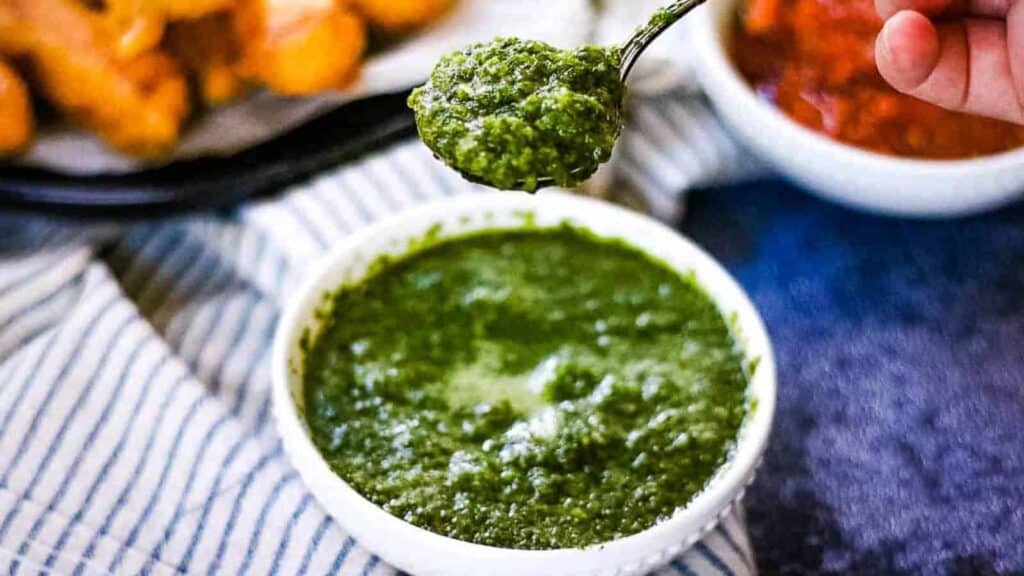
[{"x": 520, "y": 114}]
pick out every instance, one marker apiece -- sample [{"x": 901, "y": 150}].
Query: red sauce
[{"x": 815, "y": 60}]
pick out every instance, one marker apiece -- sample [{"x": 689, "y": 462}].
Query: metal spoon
[
  {"x": 644, "y": 36},
  {"x": 631, "y": 50}
]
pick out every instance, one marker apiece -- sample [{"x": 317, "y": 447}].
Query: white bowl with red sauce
[{"x": 859, "y": 178}]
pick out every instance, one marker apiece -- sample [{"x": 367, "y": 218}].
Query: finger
[
  {"x": 1015, "y": 45},
  {"x": 907, "y": 50},
  {"x": 987, "y": 8},
  {"x": 962, "y": 66}
]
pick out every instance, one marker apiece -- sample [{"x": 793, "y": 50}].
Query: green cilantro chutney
[
  {"x": 519, "y": 114},
  {"x": 530, "y": 389}
]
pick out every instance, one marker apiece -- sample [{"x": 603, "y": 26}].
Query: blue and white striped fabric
[
  {"x": 134, "y": 410},
  {"x": 672, "y": 142}
]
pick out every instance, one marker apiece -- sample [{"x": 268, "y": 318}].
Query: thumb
[
  {"x": 962, "y": 65},
  {"x": 907, "y": 50}
]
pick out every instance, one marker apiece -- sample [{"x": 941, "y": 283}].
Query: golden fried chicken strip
[
  {"x": 400, "y": 15},
  {"x": 136, "y": 105},
  {"x": 209, "y": 50},
  {"x": 139, "y": 24},
  {"x": 17, "y": 125},
  {"x": 299, "y": 47}
]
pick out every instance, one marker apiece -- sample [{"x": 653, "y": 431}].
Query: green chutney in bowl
[{"x": 531, "y": 389}]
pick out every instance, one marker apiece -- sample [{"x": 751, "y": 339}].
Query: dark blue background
[{"x": 898, "y": 445}]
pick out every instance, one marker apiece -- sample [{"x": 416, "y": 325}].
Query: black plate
[{"x": 326, "y": 141}]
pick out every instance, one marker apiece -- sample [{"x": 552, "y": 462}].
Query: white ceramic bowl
[
  {"x": 428, "y": 554},
  {"x": 857, "y": 178}
]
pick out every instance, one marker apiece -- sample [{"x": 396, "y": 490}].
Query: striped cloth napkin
[{"x": 135, "y": 434}]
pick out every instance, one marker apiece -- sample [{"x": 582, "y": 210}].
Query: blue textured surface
[{"x": 899, "y": 439}]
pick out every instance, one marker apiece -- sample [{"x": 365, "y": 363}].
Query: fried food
[
  {"x": 139, "y": 24},
  {"x": 209, "y": 50},
  {"x": 400, "y": 15},
  {"x": 122, "y": 68},
  {"x": 16, "y": 123},
  {"x": 299, "y": 47},
  {"x": 136, "y": 105}
]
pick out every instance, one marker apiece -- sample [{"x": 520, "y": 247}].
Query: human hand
[{"x": 964, "y": 55}]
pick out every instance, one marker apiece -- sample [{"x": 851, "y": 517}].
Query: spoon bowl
[{"x": 568, "y": 106}]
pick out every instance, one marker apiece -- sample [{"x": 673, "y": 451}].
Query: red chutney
[{"x": 815, "y": 60}]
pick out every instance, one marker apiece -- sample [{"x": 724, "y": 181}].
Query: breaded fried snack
[
  {"x": 136, "y": 105},
  {"x": 299, "y": 47},
  {"x": 399, "y": 15}
]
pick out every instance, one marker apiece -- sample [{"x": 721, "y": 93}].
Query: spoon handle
[{"x": 646, "y": 34}]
